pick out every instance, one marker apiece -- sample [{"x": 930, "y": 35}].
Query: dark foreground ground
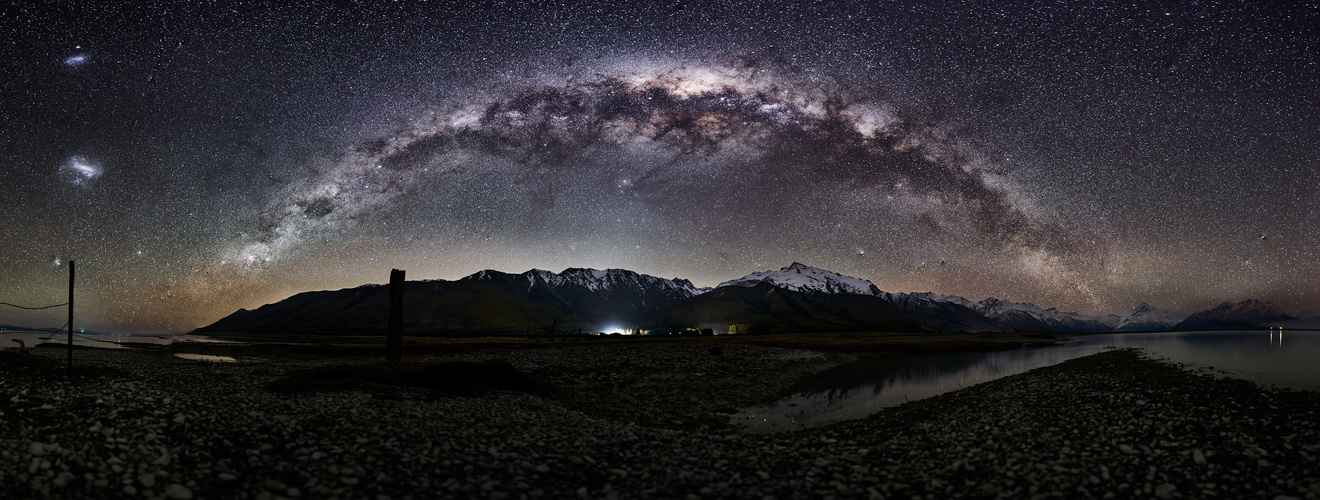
[{"x": 633, "y": 420}]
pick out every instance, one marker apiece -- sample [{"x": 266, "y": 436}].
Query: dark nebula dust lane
[{"x": 197, "y": 159}]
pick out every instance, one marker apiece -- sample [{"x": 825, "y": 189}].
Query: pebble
[
  {"x": 1028, "y": 435},
  {"x": 1165, "y": 490},
  {"x": 178, "y": 492}
]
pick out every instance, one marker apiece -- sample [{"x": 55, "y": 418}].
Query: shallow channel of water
[
  {"x": 1284, "y": 359},
  {"x": 101, "y": 340}
]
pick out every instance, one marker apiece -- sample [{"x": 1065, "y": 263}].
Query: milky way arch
[{"x": 660, "y": 135}]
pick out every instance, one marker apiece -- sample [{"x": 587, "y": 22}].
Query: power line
[
  {"x": 32, "y": 308},
  {"x": 84, "y": 337},
  {"x": 52, "y": 334}
]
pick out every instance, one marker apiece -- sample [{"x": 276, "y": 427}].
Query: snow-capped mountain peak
[
  {"x": 1021, "y": 315},
  {"x": 1246, "y": 308},
  {"x": 1001, "y": 309},
  {"x": 596, "y": 280},
  {"x": 1262, "y": 308},
  {"x": 1148, "y": 317},
  {"x": 1244, "y": 314},
  {"x": 803, "y": 278}
]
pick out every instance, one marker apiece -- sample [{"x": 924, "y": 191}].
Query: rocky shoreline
[{"x": 642, "y": 421}]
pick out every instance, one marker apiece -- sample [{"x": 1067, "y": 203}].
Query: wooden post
[
  {"x": 69, "y": 367},
  {"x": 394, "y": 334}
]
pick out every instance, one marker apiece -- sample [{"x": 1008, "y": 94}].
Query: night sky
[{"x": 198, "y": 158}]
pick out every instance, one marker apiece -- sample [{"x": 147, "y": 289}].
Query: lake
[
  {"x": 101, "y": 340},
  {"x": 1289, "y": 359}
]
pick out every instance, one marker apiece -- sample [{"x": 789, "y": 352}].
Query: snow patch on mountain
[
  {"x": 1012, "y": 315},
  {"x": 599, "y": 280},
  {"x": 1025, "y": 315},
  {"x": 803, "y": 278},
  {"x": 1148, "y": 317},
  {"x": 1244, "y": 314},
  {"x": 996, "y": 308},
  {"x": 896, "y": 298}
]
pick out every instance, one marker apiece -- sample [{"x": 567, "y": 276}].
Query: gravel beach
[{"x": 644, "y": 420}]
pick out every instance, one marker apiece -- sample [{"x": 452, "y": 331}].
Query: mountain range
[
  {"x": 796, "y": 298},
  {"x": 1245, "y": 314}
]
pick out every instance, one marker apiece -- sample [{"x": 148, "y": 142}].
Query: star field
[{"x": 195, "y": 159}]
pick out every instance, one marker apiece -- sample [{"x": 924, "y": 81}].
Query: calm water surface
[
  {"x": 1288, "y": 359},
  {"x": 102, "y": 340}
]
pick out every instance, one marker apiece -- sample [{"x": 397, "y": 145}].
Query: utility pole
[
  {"x": 394, "y": 330},
  {"x": 70, "y": 357}
]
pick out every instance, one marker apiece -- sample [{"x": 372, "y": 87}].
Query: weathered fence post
[
  {"x": 69, "y": 367},
  {"x": 394, "y": 334}
]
